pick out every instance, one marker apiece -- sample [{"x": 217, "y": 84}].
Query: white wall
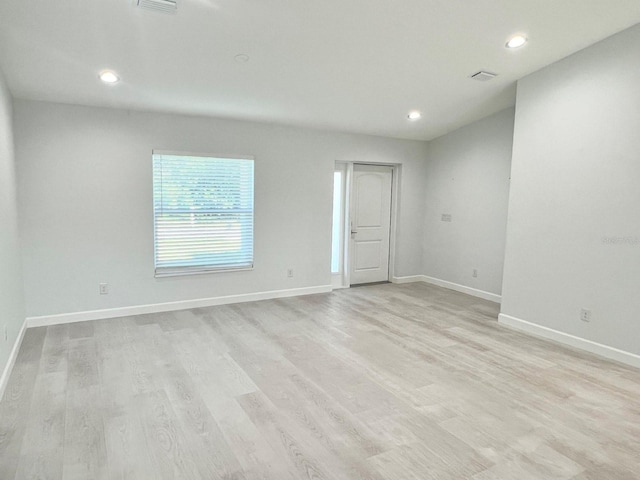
[
  {"x": 576, "y": 186},
  {"x": 86, "y": 214},
  {"x": 468, "y": 178},
  {"x": 11, "y": 297}
]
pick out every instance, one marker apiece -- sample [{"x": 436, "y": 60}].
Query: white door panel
[
  {"x": 370, "y": 223},
  {"x": 369, "y": 190},
  {"x": 368, "y": 255}
]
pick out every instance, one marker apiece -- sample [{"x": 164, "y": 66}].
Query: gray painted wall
[
  {"x": 573, "y": 236},
  {"x": 468, "y": 178},
  {"x": 11, "y": 287},
  {"x": 86, "y": 213}
]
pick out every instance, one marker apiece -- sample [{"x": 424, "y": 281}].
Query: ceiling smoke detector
[
  {"x": 483, "y": 76},
  {"x": 163, "y": 6}
]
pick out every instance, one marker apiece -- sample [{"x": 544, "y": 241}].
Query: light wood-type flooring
[{"x": 383, "y": 382}]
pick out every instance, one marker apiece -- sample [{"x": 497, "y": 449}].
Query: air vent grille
[
  {"x": 482, "y": 76},
  {"x": 164, "y": 6}
]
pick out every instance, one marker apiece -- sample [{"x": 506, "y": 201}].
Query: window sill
[{"x": 181, "y": 273}]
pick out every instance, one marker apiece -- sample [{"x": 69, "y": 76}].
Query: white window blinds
[{"x": 203, "y": 213}]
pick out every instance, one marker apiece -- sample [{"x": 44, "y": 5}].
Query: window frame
[
  {"x": 337, "y": 237},
  {"x": 203, "y": 269}
]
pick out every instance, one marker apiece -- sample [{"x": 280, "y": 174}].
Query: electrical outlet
[
  {"x": 104, "y": 289},
  {"x": 475, "y": 273},
  {"x": 290, "y": 272},
  {"x": 585, "y": 315},
  {"x": 446, "y": 217}
]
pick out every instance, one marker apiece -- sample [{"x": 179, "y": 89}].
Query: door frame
[{"x": 343, "y": 279}]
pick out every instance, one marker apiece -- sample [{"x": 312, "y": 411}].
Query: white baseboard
[
  {"x": 571, "y": 340},
  {"x": 408, "y": 279},
  {"x": 337, "y": 281},
  {"x": 11, "y": 360},
  {"x": 492, "y": 297},
  {"x": 46, "y": 320}
]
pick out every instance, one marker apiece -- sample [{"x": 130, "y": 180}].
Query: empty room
[{"x": 287, "y": 240}]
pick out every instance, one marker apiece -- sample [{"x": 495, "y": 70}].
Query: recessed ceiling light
[
  {"x": 242, "y": 58},
  {"x": 516, "y": 41},
  {"x": 415, "y": 115},
  {"x": 109, "y": 76}
]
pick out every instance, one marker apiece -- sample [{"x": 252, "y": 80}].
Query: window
[
  {"x": 336, "y": 233},
  {"x": 203, "y": 213},
  {"x": 338, "y": 225}
]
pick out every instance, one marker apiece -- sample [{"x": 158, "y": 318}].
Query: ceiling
[{"x": 345, "y": 65}]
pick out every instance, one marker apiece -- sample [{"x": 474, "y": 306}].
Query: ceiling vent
[
  {"x": 164, "y": 6},
  {"x": 483, "y": 76}
]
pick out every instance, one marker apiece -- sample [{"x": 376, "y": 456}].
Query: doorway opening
[{"x": 364, "y": 219}]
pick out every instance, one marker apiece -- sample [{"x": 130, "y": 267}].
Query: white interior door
[{"x": 370, "y": 223}]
